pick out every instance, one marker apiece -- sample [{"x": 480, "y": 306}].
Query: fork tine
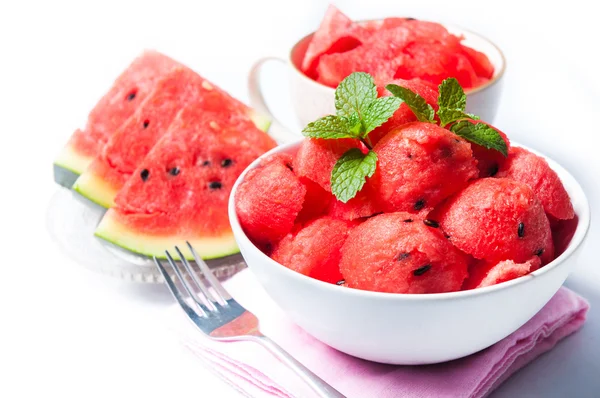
[
  {"x": 219, "y": 289},
  {"x": 211, "y": 306},
  {"x": 174, "y": 290},
  {"x": 197, "y": 281}
]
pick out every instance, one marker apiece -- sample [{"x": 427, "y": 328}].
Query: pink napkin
[{"x": 252, "y": 371}]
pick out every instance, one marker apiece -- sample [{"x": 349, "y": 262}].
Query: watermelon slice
[
  {"x": 121, "y": 101},
  {"x": 129, "y": 145},
  {"x": 181, "y": 189}
]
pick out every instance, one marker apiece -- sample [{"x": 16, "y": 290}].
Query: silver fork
[{"x": 221, "y": 318}]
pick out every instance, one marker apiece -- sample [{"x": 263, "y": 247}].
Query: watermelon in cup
[
  {"x": 181, "y": 189},
  {"x": 129, "y": 145},
  {"x": 114, "y": 108}
]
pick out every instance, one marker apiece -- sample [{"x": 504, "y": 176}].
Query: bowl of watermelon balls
[
  {"x": 405, "y": 50},
  {"x": 423, "y": 245}
]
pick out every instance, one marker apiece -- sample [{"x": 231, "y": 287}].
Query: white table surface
[{"x": 69, "y": 332}]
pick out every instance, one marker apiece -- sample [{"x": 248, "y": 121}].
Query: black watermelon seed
[
  {"x": 289, "y": 166},
  {"x": 409, "y": 155},
  {"x": 131, "y": 96},
  {"x": 146, "y": 123},
  {"x": 408, "y": 220},
  {"x": 410, "y": 19},
  {"x": 403, "y": 256},
  {"x": 446, "y": 236},
  {"x": 341, "y": 282},
  {"x": 521, "y": 230},
  {"x": 493, "y": 170},
  {"x": 539, "y": 252},
  {"x": 431, "y": 223},
  {"x": 421, "y": 270},
  {"x": 145, "y": 174},
  {"x": 174, "y": 171},
  {"x": 215, "y": 185},
  {"x": 206, "y": 163},
  {"x": 420, "y": 204},
  {"x": 226, "y": 162}
]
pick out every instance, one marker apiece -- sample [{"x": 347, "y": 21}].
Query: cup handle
[{"x": 278, "y": 131}]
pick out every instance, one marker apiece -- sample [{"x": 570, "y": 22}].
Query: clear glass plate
[{"x": 71, "y": 221}]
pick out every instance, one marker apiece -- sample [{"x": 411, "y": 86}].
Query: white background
[{"x": 66, "y": 331}]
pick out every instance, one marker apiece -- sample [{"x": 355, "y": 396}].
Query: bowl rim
[
  {"x": 576, "y": 241},
  {"x": 451, "y": 27}
]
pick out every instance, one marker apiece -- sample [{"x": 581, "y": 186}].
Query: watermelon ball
[
  {"x": 404, "y": 115},
  {"x": 316, "y": 201},
  {"x": 314, "y": 250},
  {"x": 362, "y": 205},
  {"x": 489, "y": 161},
  {"x": 535, "y": 172},
  {"x": 269, "y": 200},
  {"x": 419, "y": 165},
  {"x": 316, "y": 158},
  {"x": 397, "y": 253},
  {"x": 487, "y": 274},
  {"x": 497, "y": 219}
]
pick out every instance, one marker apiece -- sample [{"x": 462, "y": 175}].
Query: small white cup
[{"x": 312, "y": 100}]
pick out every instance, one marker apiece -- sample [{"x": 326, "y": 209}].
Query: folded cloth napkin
[{"x": 252, "y": 371}]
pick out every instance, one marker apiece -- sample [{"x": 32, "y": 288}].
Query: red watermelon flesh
[
  {"x": 180, "y": 190},
  {"x": 404, "y": 115},
  {"x": 117, "y": 105},
  {"x": 419, "y": 165},
  {"x": 485, "y": 218},
  {"x": 379, "y": 56},
  {"x": 316, "y": 201},
  {"x": 337, "y": 33},
  {"x": 128, "y": 146},
  {"x": 317, "y": 157},
  {"x": 489, "y": 161},
  {"x": 314, "y": 250},
  {"x": 364, "y": 204},
  {"x": 396, "y": 253},
  {"x": 480, "y": 62},
  {"x": 268, "y": 202},
  {"x": 487, "y": 274},
  {"x": 562, "y": 233},
  {"x": 535, "y": 172}
]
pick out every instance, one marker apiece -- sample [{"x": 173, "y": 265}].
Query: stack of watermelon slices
[
  {"x": 389, "y": 49},
  {"x": 166, "y": 165},
  {"x": 439, "y": 214}
]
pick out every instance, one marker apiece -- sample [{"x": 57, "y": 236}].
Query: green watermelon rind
[
  {"x": 69, "y": 165},
  {"x": 116, "y": 233},
  {"x": 95, "y": 190}
]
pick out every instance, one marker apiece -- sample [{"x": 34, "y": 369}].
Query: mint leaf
[
  {"x": 330, "y": 127},
  {"x": 481, "y": 134},
  {"x": 448, "y": 116},
  {"x": 422, "y": 110},
  {"x": 379, "y": 112},
  {"x": 451, "y": 95},
  {"x": 350, "y": 171},
  {"x": 354, "y": 94},
  {"x": 356, "y": 125}
]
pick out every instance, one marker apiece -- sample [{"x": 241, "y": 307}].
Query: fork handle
[{"x": 317, "y": 384}]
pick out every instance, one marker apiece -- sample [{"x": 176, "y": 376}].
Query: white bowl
[
  {"x": 412, "y": 328},
  {"x": 312, "y": 100}
]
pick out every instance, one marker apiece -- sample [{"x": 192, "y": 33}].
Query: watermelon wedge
[
  {"x": 117, "y": 105},
  {"x": 128, "y": 146},
  {"x": 181, "y": 189}
]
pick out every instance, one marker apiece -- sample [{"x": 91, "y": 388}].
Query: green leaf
[
  {"x": 379, "y": 112},
  {"x": 356, "y": 125},
  {"x": 481, "y": 134},
  {"x": 330, "y": 127},
  {"x": 354, "y": 94},
  {"x": 448, "y": 116},
  {"x": 350, "y": 172},
  {"x": 422, "y": 110},
  {"x": 451, "y": 95}
]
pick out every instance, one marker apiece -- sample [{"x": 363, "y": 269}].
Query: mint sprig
[
  {"x": 417, "y": 104},
  {"x": 480, "y": 134},
  {"x": 354, "y": 94},
  {"x": 452, "y": 102},
  {"x": 350, "y": 172}
]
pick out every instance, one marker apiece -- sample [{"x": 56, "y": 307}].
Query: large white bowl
[{"x": 412, "y": 328}]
